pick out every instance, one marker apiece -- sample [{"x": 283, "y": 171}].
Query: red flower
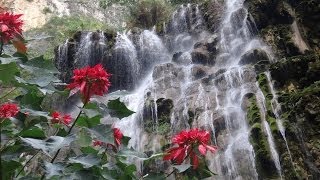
[
  {"x": 58, "y": 118},
  {"x": 10, "y": 26},
  {"x": 97, "y": 143},
  {"x": 189, "y": 143},
  {"x": 117, "y": 134},
  {"x": 90, "y": 81},
  {"x": 8, "y": 110}
]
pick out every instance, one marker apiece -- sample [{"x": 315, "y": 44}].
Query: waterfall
[
  {"x": 262, "y": 106},
  {"x": 91, "y": 49},
  {"x": 276, "y": 108},
  {"x": 206, "y": 75}
]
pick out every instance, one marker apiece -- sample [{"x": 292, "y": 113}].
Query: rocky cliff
[{"x": 207, "y": 67}]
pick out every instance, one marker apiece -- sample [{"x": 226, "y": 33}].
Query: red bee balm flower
[
  {"x": 117, "y": 134},
  {"x": 90, "y": 81},
  {"x": 8, "y": 110},
  {"x": 10, "y": 26},
  {"x": 58, "y": 118},
  {"x": 188, "y": 143}
]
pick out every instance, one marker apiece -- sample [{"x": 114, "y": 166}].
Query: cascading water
[
  {"x": 276, "y": 108},
  {"x": 208, "y": 80}
]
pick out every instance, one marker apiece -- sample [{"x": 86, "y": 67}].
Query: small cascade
[
  {"x": 276, "y": 109},
  {"x": 125, "y": 63},
  {"x": 91, "y": 48},
  {"x": 62, "y": 55},
  {"x": 151, "y": 50},
  {"x": 262, "y": 106}
]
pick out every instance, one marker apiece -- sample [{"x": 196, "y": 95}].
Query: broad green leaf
[
  {"x": 8, "y": 168},
  {"x": 7, "y": 60},
  {"x": 89, "y": 150},
  {"x": 84, "y": 121},
  {"x": 35, "y": 113},
  {"x": 32, "y": 99},
  {"x": 86, "y": 160},
  {"x": 8, "y": 73},
  {"x": 103, "y": 133},
  {"x": 51, "y": 145},
  {"x": 126, "y": 152},
  {"x": 53, "y": 169},
  {"x": 84, "y": 139},
  {"x": 33, "y": 132},
  {"x": 181, "y": 168},
  {"x": 118, "y": 109}
]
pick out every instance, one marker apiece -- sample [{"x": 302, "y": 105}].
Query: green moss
[
  {"x": 149, "y": 13},
  {"x": 61, "y": 28},
  {"x": 259, "y": 141}
]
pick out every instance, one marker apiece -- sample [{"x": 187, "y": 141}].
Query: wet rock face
[
  {"x": 213, "y": 11},
  {"x": 267, "y": 12},
  {"x": 254, "y": 56}
]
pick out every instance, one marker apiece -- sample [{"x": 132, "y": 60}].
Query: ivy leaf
[
  {"x": 183, "y": 167},
  {"x": 118, "y": 109},
  {"x": 87, "y": 161},
  {"x": 33, "y": 132},
  {"x": 8, "y": 73},
  {"x": 51, "y": 145}
]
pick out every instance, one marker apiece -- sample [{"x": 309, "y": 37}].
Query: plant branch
[
  {"x": 27, "y": 163},
  {"x": 74, "y": 123},
  {"x": 1, "y": 46},
  {"x": 33, "y": 156}
]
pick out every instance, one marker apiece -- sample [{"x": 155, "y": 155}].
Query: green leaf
[
  {"x": 86, "y": 160},
  {"x": 33, "y": 132},
  {"x": 84, "y": 121},
  {"x": 183, "y": 167},
  {"x": 118, "y": 109},
  {"x": 103, "y": 133},
  {"x": 9, "y": 59},
  {"x": 51, "y": 145},
  {"x": 126, "y": 152},
  {"x": 89, "y": 150},
  {"x": 125, "y": 140},
  {"x": 8, "y": 168},
  {"x": 84, "y": 138},
  {"x": 53, "y": 169},
  {"x": 32, "y": 100},
  {"x": 8, "y": 73}
]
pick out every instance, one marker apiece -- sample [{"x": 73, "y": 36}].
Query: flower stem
[
  {"x": 1, "y": 46},
  {"x": 33, "y": 157},
  {"x": 27, "y": 163},
  {"x": 74, "y": 123}
]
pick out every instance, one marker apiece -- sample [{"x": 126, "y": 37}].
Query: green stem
[
  {"x": 33, "y": 156},
  {"x": 27, "y": 163},
  {"x": 74, "y": 123},
  {"x": 1, "y": 46}
]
